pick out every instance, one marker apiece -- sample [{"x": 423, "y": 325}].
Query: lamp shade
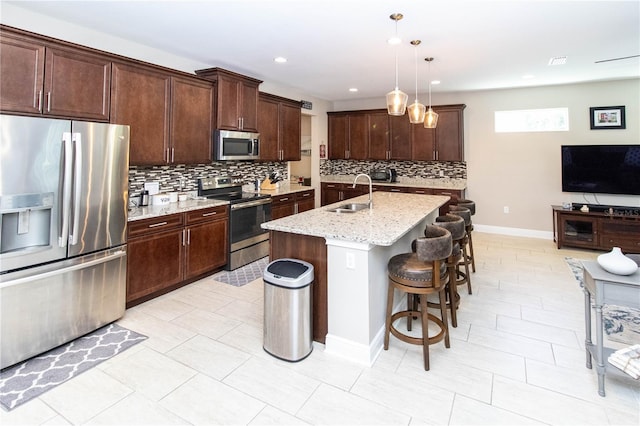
[
  {"x": 430, "y": 119},
  {"x": 416, "y": 112},
  {"x": 397, "y": 102}
]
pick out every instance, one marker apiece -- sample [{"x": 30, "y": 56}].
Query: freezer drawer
[{"x": 46, "y": 306}]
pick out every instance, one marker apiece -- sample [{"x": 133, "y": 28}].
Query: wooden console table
[
  {"x": 612, "y": 289},
  {"x": 596, "y": 230}
]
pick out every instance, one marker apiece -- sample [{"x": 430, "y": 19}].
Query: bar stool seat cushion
[{"x": 413, "y": 271}]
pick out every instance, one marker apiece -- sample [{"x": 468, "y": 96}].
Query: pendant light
[
  {"x": 431, "y": 118},
  {"x": 396, "y": 99},
  {"x": 416, "y": 110}
]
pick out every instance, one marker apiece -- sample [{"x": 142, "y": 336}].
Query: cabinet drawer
[
  {"x": 203, "y": 215},
  {"x": 156, "y": 224},
  {"x": 283, "y": 199},
  {"x": 300, "y": 196}
]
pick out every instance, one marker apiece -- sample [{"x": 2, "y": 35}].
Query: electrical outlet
[
  {"x": 351, "y": 261},
  {"x": 506, "y": 209},
  {"x": 441, "y": 173}
]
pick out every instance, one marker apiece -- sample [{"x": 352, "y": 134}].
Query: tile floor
[{"x": 516, "y": 358}]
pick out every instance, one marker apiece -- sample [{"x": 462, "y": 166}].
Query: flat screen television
[{"x": 601, "y": 169}]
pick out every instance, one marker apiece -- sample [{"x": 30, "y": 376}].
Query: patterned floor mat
[
  {"x": 244, "y": 275},
  {"x": 33, "y": 377}
]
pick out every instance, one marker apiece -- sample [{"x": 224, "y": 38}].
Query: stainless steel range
[{"x": 247, "y": 240}]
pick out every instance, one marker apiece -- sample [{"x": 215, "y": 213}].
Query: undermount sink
[{"x": 350, "y": 208}]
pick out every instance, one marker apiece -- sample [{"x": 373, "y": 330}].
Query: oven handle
[{"x": 247, "y": 204}]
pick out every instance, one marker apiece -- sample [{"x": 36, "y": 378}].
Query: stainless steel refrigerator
[{"x": 63, "y": 227}]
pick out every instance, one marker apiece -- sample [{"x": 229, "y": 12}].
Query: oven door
[{"x": 247, "y": 217}]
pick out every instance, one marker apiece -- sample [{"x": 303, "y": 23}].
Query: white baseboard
[{"x": 516, "y": 232}]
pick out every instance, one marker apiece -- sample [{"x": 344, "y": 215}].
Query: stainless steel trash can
[{"x": 288, "y": 331}]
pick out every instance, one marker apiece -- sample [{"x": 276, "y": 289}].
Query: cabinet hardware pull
[
  {"x": 188, "y": 237},
  {"x": 173, "y": 151},
  {"x": 153, "y": 225},
  {"x": 39, "y": 100},
  {"x": 48, "y": 101},
  {"x": 184, "y": 239},
  {"x": 209, "y": 214},
  {"x": 284, "y": 199}
]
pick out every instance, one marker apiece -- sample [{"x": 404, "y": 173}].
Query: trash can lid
[{"x": 287, "y": 268}]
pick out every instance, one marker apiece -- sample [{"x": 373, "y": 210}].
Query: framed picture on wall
[{"x": 611, "y": 117}]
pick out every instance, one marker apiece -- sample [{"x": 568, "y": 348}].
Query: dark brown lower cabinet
[
  {"x": 292, "y": 203},
  {"x": 169, "y": 251}
]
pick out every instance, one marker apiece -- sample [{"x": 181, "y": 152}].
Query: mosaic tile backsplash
[
  {"x": 406, "y": 169},
  {"x": 181, "y": 177}
]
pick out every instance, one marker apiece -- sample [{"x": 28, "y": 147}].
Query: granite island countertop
[
  {"x": 138, "y": 213},
  {"x": 393, "y": 215}
]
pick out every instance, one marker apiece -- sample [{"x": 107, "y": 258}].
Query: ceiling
[{"x": 334, "y": 45}]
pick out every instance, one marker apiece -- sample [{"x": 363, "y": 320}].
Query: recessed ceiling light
[
  {"x": 435, "y": 82},
  {"x": 528, "y": 76},
  {"x": 394, "y": 40},
  {"x": 353, "y": 89},
  {"x": 280, "y": 60},
  {"x": 558, "y": 60}
]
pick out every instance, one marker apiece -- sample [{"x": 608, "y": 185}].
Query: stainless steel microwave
[{"x": 232, "y": 145}]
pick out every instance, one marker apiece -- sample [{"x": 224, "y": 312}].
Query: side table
[{"x": 606, "y": 288}]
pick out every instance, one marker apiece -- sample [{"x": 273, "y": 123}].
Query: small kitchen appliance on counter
[
  {"x": 383, "y": 175},
  {"x": 247, "y": 240}
]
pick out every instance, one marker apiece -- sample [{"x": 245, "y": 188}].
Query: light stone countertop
[
  {"x": 286, "y": 188},
  {"x": 392, "y": 216},
  {"x": 138, "y": 213},
  {"x": 444, "y": 183}
]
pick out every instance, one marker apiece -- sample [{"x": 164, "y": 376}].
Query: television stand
[
  {"x": 603, "y": 208},
  {"x": 598, "y": 230}
]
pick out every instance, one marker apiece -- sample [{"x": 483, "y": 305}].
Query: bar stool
[
  {"x": 421, "y": 273},
  {"x": 465, "y": 276},
  {"x": 471, "y": 205},
  {"x": 455, "y": 225}
]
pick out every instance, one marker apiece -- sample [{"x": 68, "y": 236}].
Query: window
[{"x": 532, "y": 120}]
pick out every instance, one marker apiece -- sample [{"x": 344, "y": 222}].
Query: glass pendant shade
[
  {"x": 416, "y": 112},
  {"x": 397, "y": 102},
  {"x": 430, "y": 119}
]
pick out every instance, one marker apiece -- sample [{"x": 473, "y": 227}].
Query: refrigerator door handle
[
  {"x": 63, "y": 236},
  {"x": 77, "y": 187}
]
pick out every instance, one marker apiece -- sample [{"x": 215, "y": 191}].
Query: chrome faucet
[{"x": 370, "y": 187}]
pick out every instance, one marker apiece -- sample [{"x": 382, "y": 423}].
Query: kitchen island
[{"x": 349, "y": 252}]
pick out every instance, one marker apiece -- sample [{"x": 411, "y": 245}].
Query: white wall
[{"x": 522, "y": 170}]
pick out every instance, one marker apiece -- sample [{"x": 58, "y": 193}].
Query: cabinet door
[
  {"x": 400, "y": 137},
  {"x": 305, "y": 201},
  {"x": 338, "y": 126},
  {"x": 348, "y": 191},
  {"x": 191, "y": 121},
  {"x": 330, "y": 193},
  {"x": 21, "y": 75},
  {"x": 449, "y": 139},
  {"x": 290, "y": 125},
  {"x": 76, "y": 85},
  {"x": 154, "y": 262},
  {"x": 423, "y": 142},
  {"x": 228, "y": 103},
  {"x": 378, "y": 136},
  {"x": 268, "y": 126},
  {"x": 578, "y": 231},
  {"x": 249, "y": 103},
  {"x": 453, "y": 194},
  {"x": 358, "y": 137},
  {"x": 283, "y": 205},
  {"x": 206, "y": 247},
  {"x": 140, "y": 98}
]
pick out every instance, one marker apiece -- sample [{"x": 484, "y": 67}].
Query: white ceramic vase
[{"x": 617, "y": 263}]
